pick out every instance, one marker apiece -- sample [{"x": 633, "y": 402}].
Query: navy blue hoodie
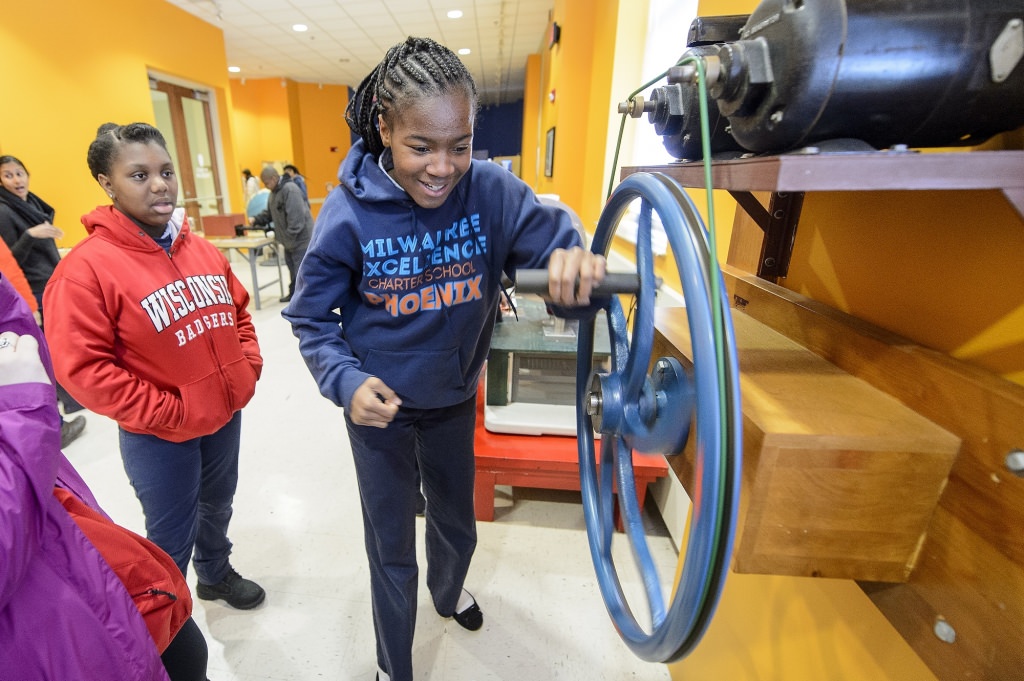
[{"x": 416, "y": 288}]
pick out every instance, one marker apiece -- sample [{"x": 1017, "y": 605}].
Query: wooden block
[{"x": 840, "y": 479}]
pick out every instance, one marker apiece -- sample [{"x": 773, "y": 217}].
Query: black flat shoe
[{"x": 471, "y": 618}]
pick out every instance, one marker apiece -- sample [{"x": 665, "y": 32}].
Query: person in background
[
  {"x": 26, "y": 225},
  {"x": 293, "y": 223},
  {"x": 65, "y": 613},
  {"x": 293, "y": 174},
  {"x": 150, "y": 328},
  {"x": 394, "y": 308},
  {"x": 250, "y": 185},
  {"x": 12, "y": 272}
]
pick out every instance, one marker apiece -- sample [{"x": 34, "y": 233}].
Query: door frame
[{"x": 176, "y": 89}]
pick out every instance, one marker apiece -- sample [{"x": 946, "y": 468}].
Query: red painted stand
[{"x": 539, "y": 461}]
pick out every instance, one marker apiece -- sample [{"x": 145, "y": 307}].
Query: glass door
[{"x": 183, "y": 116}]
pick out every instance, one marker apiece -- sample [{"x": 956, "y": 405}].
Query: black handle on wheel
[{"x": 536, "y": 281}]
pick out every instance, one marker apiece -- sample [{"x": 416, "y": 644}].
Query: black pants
[
  {"x": 432, "y": 448},
  {"x": 293, "y": 258},
  {"x": 185, "y": 658},
  {"x": 71, "y": 405}
]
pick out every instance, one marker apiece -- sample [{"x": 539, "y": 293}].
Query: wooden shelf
[
  {"x": 789, "y": 176},
  {"x": 872, "y": 171}
]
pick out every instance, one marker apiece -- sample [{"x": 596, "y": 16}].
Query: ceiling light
[
  {"x": 300, "y": 28},
  {"x": 464, "y": 50},
  {"x": 234, "y": 69},
  {"x": 455, "y": 14}
]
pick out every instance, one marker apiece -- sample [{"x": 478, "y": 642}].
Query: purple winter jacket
[{"x": 63, "y": 613}]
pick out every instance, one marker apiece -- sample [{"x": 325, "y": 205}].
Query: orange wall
[
  {"x": 945, "y": 269},
  {"x": 262, "y": 123},
  {"x": 550, "y": 70},
  {"x": 321, "y": 136},
  {"x": 576, "y": 70},
  {"x": 301, "y": 123},
  {"x": 532, "y": 163},
  {"x": 770, "y": 628},
  {"x": 72, "y": 65},
  {"x": 601, "y": 106}
]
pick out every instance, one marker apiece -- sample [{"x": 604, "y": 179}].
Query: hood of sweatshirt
[
  {"x": 361, "y": 175},
  {"x": 109, "y": 223}
]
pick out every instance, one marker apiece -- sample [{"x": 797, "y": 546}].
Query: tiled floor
[{"x": 297, "y": 531}]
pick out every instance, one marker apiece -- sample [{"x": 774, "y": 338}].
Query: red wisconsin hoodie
[{"x": 160, "y": 342}]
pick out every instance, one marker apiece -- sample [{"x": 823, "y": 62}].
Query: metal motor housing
[
  {"x": 886, "y": 72},
  {"x": 674, "y": 109}
]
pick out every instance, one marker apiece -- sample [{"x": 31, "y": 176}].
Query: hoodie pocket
[
  {"x": 207, "y": 407},
  {"x": 418, "y": 376},
  {"x": 241, "y": 382},
  {"x": 212, "y": 400}
]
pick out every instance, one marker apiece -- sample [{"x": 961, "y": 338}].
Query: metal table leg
[
  {"x": 279, "y": 256},
  {"x": 251, "y": 254}
]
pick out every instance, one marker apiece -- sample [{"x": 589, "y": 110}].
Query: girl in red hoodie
[{"x": 149, "y": 327}]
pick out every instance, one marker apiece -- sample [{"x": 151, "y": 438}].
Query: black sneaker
[
  {"x": 235, "y": 590},
  {"x": 70, "y": 430}
]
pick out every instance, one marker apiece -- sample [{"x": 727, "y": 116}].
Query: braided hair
[
  {"x": 418, "y": 67},
  {"x": 111, "y": 136}
]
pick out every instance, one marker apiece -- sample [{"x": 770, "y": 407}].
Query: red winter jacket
[
  {"x": 148, "y": 574},
  {"x": 161, "y": 343}
]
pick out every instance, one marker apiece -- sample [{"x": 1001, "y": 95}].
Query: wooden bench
[{"x": 539, "y": 461}]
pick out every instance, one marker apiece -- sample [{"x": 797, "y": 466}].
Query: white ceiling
[{"x": 347, "y": 38}]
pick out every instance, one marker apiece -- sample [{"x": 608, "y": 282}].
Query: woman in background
[
  {"x": 250, "y": 185},
  {"x": 26, "y": 225}
]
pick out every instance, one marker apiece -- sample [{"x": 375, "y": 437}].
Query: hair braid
[{"x": 418, "y": 67}]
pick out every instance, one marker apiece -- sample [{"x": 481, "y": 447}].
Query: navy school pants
[
  {"x": 186, "y": 490},
  {"x": 440, "y": 443}
]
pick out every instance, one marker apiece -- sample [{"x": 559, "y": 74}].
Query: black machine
[{"x": 846, "y": 74}]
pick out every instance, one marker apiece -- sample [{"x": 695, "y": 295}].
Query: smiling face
[
  {"x": 143, "y": 184},
  {"x": 432, "y": 146},
  {"x": 14, "y": 179}
]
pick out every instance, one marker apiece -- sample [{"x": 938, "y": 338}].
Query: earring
[{"x": 111, "y": 195}]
